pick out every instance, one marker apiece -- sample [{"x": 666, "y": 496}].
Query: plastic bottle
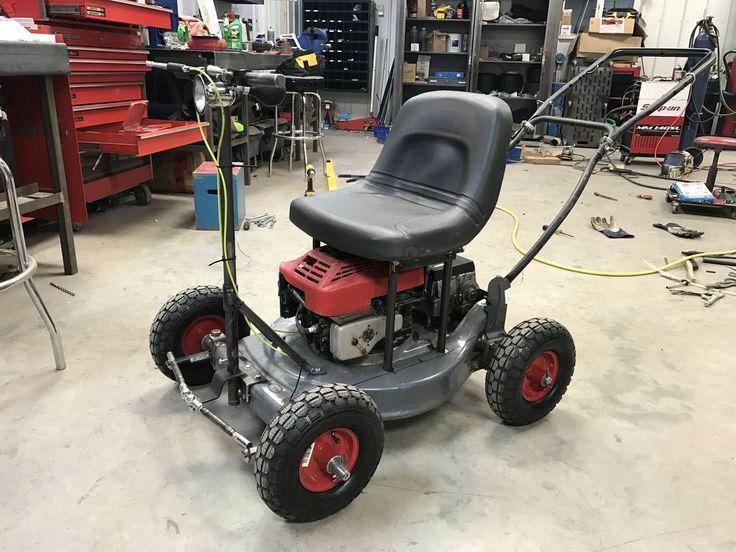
[
  {"x": 423, "y": 39},
  {"x": 460, "y": 10},
  {"x": 271, "y": 35},
  {"x": 413, "y": 34},
  {"x": 235, "y": 34}
]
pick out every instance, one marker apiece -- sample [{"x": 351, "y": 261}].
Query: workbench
[{"x": 44, "y": 61}]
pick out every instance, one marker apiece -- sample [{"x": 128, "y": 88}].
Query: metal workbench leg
[{"x": 58, "y": 177}]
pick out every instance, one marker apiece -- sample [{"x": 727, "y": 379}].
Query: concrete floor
[{"x": 639, "y": 455}]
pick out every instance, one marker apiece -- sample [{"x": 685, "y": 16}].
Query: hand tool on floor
[
  {"x": 261, "y": 221},
  {"x": 609, "y": 228},
  {"x": 604, "y": 196},
  {"x": 728, "y": 282},
  {"x": 559, "y": 231},
  {"x": 724, "y": 260},
  {"x": 709, "y": 297},
  {"x": 645, "y": 196},
  {"x": 690, "y": 271},
  {"x": 61, "y": 288}
]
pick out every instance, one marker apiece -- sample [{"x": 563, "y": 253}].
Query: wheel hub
[
  {"x": 329, "y": 460},
  {"x": 191, "y": 337},
  {"x": 540, "y": 376}
]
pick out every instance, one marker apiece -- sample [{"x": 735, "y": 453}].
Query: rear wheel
[
  {"x": 180, "y": 325},
  {"x": 318, "y": 452},
  {"x": 530, "y": 371}
]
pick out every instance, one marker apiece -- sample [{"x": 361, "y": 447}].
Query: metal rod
[
  {"x": 388, "y": 341},
  {"x": 229, "y": 272},
  {"x": 560, "y": 217},
  {"x": 710, "y": 180},
  {"x": 195, "y": 404},
  {"x": 271, "y": 335},
  {"x": 444, "y": 305},
  {"x": 708, "y": 57}
]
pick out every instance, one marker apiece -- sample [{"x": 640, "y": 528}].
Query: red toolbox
[
  {"x": 104, "y": 101},
  {"x": 127, "y": 12}
]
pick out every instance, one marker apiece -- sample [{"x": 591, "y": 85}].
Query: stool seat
[
  {"x": 304, "y": 84},
  {"x": 721, "y": 143}
]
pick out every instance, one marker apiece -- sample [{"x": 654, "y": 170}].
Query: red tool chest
[{"x": 106, "y": 92}]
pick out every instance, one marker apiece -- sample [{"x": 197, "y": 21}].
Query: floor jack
[{"x": 382, "y": 319}]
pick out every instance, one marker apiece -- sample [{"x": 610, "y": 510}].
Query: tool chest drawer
[
  {"x": 102, "y": 78},
  {"x": 127, "y": 12},
  {"x": 86, "y": 94},
  {"x": 149, "y": 137},
  {"x": 137, "y": 135},
  {"x": 80, "y": 34},
  {"x": 106, "y": 54},
  {"x": 107, "y": 66},
  {"x": 99, "y": 114}
]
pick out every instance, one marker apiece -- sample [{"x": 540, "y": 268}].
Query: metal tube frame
[
  {"x": 27, "y": 266},
  {"x": 612, "y": 135}
]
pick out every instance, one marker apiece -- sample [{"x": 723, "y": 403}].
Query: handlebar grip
[{"x": 272, "y": 80}]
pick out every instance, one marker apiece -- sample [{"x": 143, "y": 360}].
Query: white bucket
[{"x": 455, "y": 42}]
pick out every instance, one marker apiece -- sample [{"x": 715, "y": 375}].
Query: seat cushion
[
  {"x": 715, "y": 142},
  {"x": 385, "y": 224}
]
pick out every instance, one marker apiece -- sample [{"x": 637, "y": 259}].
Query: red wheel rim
[
  {"x": 313, "y": 474},
  {"x": 541, "y": 376},
  {"x": 191, "y": 337}
]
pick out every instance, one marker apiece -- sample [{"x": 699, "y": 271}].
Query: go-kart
[{"x": 382, "y": 318}]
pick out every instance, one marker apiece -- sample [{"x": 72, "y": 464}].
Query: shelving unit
[
  {"x": 350, "y": 26},
  {"x": 538, "y": 38},
  {"x": 440, "y": 61}
]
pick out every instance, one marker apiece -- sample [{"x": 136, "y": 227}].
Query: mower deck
[{"x": 422, "y": 378}]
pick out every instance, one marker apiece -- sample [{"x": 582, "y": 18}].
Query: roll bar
[{"x": 611, "y": 135}]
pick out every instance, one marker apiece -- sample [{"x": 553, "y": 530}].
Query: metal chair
[{"x": 26, "y": 264}]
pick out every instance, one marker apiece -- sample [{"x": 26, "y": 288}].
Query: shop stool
[
  {"x": 26, "y": 264},
  {"x": 303, "y": 95}
]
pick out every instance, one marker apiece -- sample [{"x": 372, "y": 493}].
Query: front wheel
[
  {"x": 180, "y": 325},
  {"x": 318, "y": 452},
  {"x": 530, "y": 370}
]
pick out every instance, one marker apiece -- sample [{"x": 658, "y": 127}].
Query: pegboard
[{"x": 587, "y": 100}]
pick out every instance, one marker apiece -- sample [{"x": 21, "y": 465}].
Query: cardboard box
[
  {"x": 172, "y": 171},
  {"x": 566, "y": 17},
  {"x": 422, "y": 8},
  {"x": 438, "y": 42},
  {"x": 410, "y": 72},
  {"x": 595, "y": 45},
  {"x": 612, "y": 25}
]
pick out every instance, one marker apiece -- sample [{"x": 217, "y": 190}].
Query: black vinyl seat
[{"x": 432, "y": 189}]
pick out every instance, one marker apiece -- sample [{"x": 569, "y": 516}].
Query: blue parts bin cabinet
[{"x": 205, "y": 196}]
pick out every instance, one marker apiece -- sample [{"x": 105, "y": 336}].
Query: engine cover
[
  {"x": 333, "y": 283},
  {"x": 357, "y": 339}
]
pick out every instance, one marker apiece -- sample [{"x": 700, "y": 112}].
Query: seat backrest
[{"x": 450, "y": 146}]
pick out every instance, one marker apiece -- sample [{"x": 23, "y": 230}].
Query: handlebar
[
  {"x": 707, "y": 58},
  {"x": 242, "y": 77},
  {"x": 611, "y": 135}
]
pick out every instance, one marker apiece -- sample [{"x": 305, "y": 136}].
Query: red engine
[{"x": 332, "y": 286}]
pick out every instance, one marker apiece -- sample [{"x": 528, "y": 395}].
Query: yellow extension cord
[
  {"x": 221, "y": 187},
  {"x": 590, "y": 272}
]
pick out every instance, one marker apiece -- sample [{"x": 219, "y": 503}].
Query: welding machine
[{"x": 658, "y": 133}]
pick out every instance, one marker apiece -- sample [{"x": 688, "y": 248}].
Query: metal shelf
[
  {"x": 516, "y": 25},
  {"x": 504, "y": 62},
  {"x": 435, "y": 20},
  {"x": 433, "y": 85},
  {"x": 428, "y": 53}
]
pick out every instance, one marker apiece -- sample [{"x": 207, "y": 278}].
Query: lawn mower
[{"x": 382, "y": 319}]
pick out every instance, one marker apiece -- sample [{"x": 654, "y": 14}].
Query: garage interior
[{"x": 338, "y": 121}]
